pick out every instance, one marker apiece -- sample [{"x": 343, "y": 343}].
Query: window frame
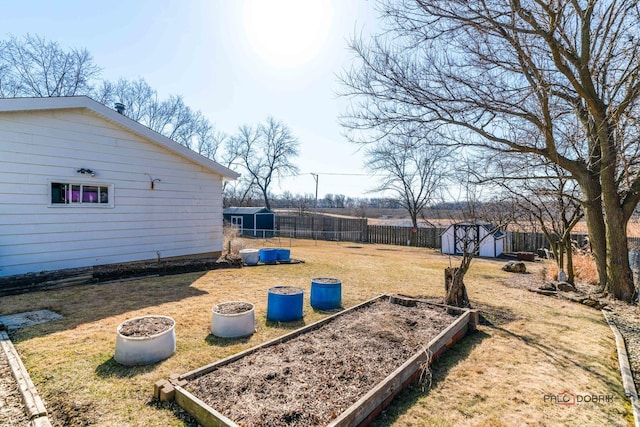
[{"x": 81, "y": 204}]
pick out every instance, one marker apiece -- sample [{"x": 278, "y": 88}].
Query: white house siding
[{"x": 181, "y": 216}]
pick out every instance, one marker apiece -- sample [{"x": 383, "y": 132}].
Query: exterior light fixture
[
  {"x": 153, "y": 181},
  {"x": 85, "y": 171}
]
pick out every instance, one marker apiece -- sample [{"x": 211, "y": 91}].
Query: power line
[
  {"x": 344, "y": 174},
  {"x": 332, "y": 174}
]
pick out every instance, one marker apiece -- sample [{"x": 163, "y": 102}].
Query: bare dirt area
[
  {"x": 311, "y": 379},
  {"x": 12, "y": 410}
]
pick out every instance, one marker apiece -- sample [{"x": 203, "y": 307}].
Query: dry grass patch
[
  {"x": 584, "y": 267},
  {"x": 633, "y": 228},
  {"x": 533, "y": 345}
]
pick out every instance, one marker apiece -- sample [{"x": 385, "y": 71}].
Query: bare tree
[
  {"x": 329, "y": 201},
  {"x": 480, "y": 221},
  {"x": 170, "y": 117},
  {"x": 303, "y": 203},
  {"x": 265, "y": 152},
  {"x": 518, "y": 77},
  {"x": 412, "y": 169},
  {"x": 8, "y": 86},
  {"x": 138, "y": 97},
  {"x": 551, "y": 199},
  {"x": 206, "y": 139},
  {"x": 240, "y": 193},
  {"x": 33, "y": 66}
]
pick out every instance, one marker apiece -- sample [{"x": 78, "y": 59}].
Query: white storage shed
[{"x": 489, "y": 237}]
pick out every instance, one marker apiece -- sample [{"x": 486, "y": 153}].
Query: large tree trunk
[
  {"x": 596, "y": 228},
  {"x": 619, "y": 274},
  {"x": 414, "y": 222},
  {"x": 456, "y": 292},
  {"x": 570, "y": 272},
  {"x": 607, "y": 228},
  {"x": 562, "y": 249}
]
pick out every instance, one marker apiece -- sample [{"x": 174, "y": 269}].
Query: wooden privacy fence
[
  {"x": 357, "y": 230},
  {"x": 354, "y": 230},
  {"x": 404, "y": 236},
  {"x": 517, "y": 241},
  {"x": 322, "y": 227}
]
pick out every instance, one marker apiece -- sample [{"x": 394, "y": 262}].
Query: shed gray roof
[{"x": 246, "y": 210}]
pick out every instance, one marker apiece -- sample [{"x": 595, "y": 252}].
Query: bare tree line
[{"x": 31, "y": 66}]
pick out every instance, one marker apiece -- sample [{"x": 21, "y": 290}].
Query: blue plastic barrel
[
  {"x": 284, "y": 303},
  {"x": 326, "y": 293},
  {"x": 284, "y": 254},
  {"x": 268, "y": 255}
]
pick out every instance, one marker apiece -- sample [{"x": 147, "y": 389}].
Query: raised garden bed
[
  {"x": 31, "y": 282},
  {"x": 278, "y": 262},
  {"x": 340, "y": 371}
]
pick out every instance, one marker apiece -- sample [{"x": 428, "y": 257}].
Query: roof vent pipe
[{"x": 120, "y": 107}]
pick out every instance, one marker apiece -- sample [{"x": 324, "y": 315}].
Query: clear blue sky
[{"x": 236, "y": 61}]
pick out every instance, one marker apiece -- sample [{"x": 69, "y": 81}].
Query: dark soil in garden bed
[
  {"x": 32, "y": 282},
  {"x": 162, "y": 268},
  {"x": 313, "y": 378},
  {"x": 145, "y": 326}
]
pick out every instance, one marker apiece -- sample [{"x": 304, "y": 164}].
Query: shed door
[
  {"x": 236, "y": 221},
  {"x": 465, "y": 235}
]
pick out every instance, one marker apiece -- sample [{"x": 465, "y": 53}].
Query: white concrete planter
[
  {"x": 233, "y": 325},
  {"x": 143, "y": 350},
  {"x": 250, "y": 256}
]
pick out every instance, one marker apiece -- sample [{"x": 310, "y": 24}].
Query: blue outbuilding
[{"x": 251, "y": 221}]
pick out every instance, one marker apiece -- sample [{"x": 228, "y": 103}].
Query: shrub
[{"x": 232, "y": 244}]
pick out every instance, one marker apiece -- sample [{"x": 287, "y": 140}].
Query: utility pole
[{"x": 315, "y": 208}]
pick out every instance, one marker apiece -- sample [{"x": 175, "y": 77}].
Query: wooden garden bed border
[
  {"x": 361, "y": 412},
  {"x": 34, "y": 406}
]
